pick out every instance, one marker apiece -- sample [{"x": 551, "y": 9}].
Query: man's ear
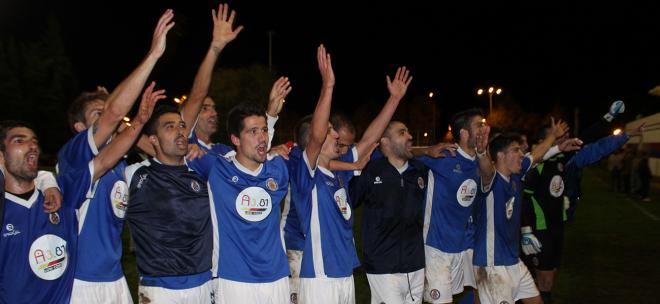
[
  {"x": 154, "y": 140},
  {"x": 235, "y": 140},
  {"x": 79, "y": 127},
  {"x": 464, "y": 134}
]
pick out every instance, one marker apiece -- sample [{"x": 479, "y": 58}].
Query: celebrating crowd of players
[{"x": 205, "y": 217}]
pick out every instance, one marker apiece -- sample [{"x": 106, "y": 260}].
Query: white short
[
  {"x": 327, "y": 291},
  {"x": 295, "y": 260},
  {"x": 504, "y": 284},
  {"x": 468, "y": 269},
  {"x": 234, "y": 292},
  {"x": 401, "y": 288},
  {"x": 84, "y": 292},
  {"x": 200, "y": 294},
  {"x": 444, "y": 275}
]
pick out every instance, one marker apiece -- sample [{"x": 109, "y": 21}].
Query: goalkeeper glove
[
  {"x": 616, "y": 108},
  {"x": 530, "y": 244}
]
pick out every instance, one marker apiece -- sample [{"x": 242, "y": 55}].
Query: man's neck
[
  {"x": 465, "y": 147},
  {"x": 170, "y": 160},
  {"x": 395, "y": 161},
  {"x": 247, "y": 162},
  {"x": 324, "y": 161},
  {"x": 18, "y": 185},
  {"x": 203, "y": 136},
  {"x": 503, "y": 170}
]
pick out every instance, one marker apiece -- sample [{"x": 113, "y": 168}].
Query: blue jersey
[
  {"x": 350, "y": 157},
  {"x": 217, "y": 148},
  {"x": 294, "y": 238},
  {"x": 452, "y": 190},
  {"x": 2, "y": 195},
  {"x": 497, "y": 226},
  {"x": 37, "y": 249},
  {"x": 326, "y": 217},
  {"x": 101, "y": 215},
  {"x": 245, "y": 205}
]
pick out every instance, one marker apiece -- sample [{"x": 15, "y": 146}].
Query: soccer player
[
  {"x": 451, "y": 193},
  {"x": 500, "y": 275},
  {"x": 245, "y": 190},
  {"x": 99, "y": 277},
  {"x": 37, "y": 249},
  {"x": 322, "y": 204},
  {"x": 392, "y": 190},
  {"x": 545, "y": 204}
]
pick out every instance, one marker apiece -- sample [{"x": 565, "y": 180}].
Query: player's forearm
[
  {"x": 321, "y": 117},
  {"x": 376, "y": 128},
  {"x": 540, "y": 149},
  {"x": 119, "y": 146},
  {"x": 122, "y": 99},
  {"x": 337, "y": 165},
  {"x": 201, "y": 84},
  {"x": 486, "y": 169}
]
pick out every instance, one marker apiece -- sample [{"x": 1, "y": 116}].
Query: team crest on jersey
[
  {"x": 509, "y": 207},
  {"x": 342, "y": 203},
  {"x": 254, "y": 204},
  {"x": 119, "y": 199},
  {"x": 54, "y": 218},
  {"x": 271, "y": 184},
  {"x": 377, "y": 181},
  {"x": 457, "y": 169},
  {"x": 48, "y": 257},
  {"x": 435, "y": 294},
  {"x": 234, "y": 179},
  {"x": 560, "y": 167},
  {"x": 294, "y": 298},
  {"x": 195, "y": 186},
  {"x": 556, "y": 186},
  {"x": 420, "y": 182},
  {"x": 466, "y": 192}
]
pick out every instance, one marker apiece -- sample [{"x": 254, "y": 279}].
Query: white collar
[
  {"x": 506, "y": 178},
  {"x": 239, "y": 166},
  {"x": 465, "y": 154},
  {"x": 25, "y": 203}
]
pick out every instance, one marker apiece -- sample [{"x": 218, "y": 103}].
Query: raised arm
[
  {"x": 281, "y": 88},
  {"x": 374, "y": 132},
  {"x": 319, "y": 124},
  {"x": 223, "y": 34},
  {"x": 486, "y": 168},
  {"x": 557, "y": 130},
  {"x": 109, "y": 156},
  {"x": 122, "y": 98}
]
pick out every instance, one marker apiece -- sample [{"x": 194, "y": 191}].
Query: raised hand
[
  {"x": 436, "y": 151},
  {"x": 482, "y": 140},
  {"x": 223, "y": 22},
  {"x": 571, "y": 144},
  {"x": 281, "y": 88},
  {"x": 52, "y": 200},
  {"x": 194, "y": 151},
  {"x": 364, "y": 159},
  {"x": 325, "y": 66},
  {"x": 281, "y": 150},
  {"x": 149, "y": 99},
  {"x": 158, "y": 41},
  {"x": 399, "y": 85},
  {"x": 558, "y": 129}
]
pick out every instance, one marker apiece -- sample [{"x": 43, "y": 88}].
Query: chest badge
[
  {"x": 271, "y": 184},
  {"x": 54, "y": 218}
]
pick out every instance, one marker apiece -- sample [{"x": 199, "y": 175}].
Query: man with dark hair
[
  {"x": 246, "y": 189},
  {"x": 500, "y": 275},
  {"x": 47, "y": 242},
  {"x": 101, "y": 216},
  {"x": 392, "y": 190},
  {"x": 453, "y": 181},
  {"x": 545, "y": 203}
]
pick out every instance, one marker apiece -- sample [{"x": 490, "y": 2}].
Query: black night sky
[{"x": 543, "y": 55}]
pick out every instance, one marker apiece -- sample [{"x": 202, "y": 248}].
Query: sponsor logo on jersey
[
  {"x": 11, "y": 231},
  {"x": 271, "y": 184},
  {"x": 143, "y": 177},
  {"x": 54, "y": 218},
  {"x": 377, "y": 181},
  {"x": 48, "y": 257},
  {"x": 119, "y": 198},
  {"x": 466, "y": 192},
  {"x": 342, "y": 203},
  {"x": 195, "y": 186},
  {"x": 253, "y": 204},
  {"x": 509, "y": 207},
  {"x": 556, "y": 186},
  {"x": 420, "y": 182},
  {"x": 234, "y": 179},
  {"x": 457, "y": 169}
]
